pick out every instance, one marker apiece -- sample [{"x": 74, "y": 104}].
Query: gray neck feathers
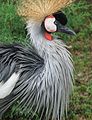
[{"x": 56, "y": 78}]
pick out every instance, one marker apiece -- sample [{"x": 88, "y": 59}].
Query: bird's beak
[{"x": 65, "y": 29}]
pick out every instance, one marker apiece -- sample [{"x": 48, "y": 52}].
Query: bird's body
[{"x": 38, "y": 75}]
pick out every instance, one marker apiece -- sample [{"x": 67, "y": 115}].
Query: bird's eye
[{"x": 50, "y": 25}]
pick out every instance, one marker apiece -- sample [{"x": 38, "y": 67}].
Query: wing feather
[{"x": 18, "y": 58}]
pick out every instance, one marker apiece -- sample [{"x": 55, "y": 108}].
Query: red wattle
[{"x": 48, "y": 36}]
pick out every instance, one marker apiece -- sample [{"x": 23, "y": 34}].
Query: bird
[{"x": 40, "y": 74}]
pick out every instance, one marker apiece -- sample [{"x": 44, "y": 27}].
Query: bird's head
[
  {"x": 55, "y": 23},
  {"x": 44, "y": 14}
]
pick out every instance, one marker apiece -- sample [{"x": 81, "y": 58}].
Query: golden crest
[{"x": 38, "y": 9}]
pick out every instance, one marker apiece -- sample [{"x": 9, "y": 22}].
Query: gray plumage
[
  {"x": 36, "y": 87},
  {"x": 13, "y": 58},
  {"x": 44, "y": 73}
]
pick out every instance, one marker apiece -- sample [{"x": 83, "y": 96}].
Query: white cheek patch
[{"x": 50, "y": 25}]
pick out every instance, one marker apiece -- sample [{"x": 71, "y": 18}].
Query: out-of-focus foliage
[{"x": 11, "y": 26}]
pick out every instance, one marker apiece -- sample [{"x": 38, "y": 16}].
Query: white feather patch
[
  {"x": 50, "y": 25},
  {"x": 7, "y": 87}
]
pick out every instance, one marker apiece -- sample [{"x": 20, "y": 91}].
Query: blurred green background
[{"x": 12, "y": 29}]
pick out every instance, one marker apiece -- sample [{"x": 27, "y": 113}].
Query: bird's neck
[
  {"x": 35, "y": 35},
  {"x": 54, "y": 52},
  {"x": 56, "y": 77},
  {"x": 45, "y": 48},
  {"x": 40, "y": 40}
]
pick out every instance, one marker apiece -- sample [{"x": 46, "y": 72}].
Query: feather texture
[
  {"x": 38, "y": 9},
  {"x": 45, "y": 83},
  {"x": 46, "y": 70},
  {"x": 20, "y": 60}
]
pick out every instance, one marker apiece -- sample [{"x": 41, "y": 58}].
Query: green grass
[
  {"x": 80, "y": 19},
  {"x": 11, "y": 26}
]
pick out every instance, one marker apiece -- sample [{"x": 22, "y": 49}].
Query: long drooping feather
[{"x": 39, "y": 9}]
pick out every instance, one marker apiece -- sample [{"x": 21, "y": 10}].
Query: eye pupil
[{"x": 62, "y": 21}]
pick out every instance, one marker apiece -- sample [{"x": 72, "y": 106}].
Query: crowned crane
[{"x": 39, "y": 75}]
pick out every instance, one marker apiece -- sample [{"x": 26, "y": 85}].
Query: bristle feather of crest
[{"x": 38, "y": 9}]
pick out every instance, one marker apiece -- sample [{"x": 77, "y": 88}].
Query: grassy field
[{"x": 80, "y": 19}]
